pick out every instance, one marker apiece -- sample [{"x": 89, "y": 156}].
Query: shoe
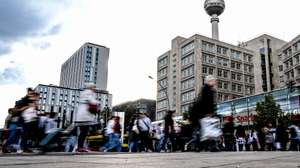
[{"x": 5, "y": 150}]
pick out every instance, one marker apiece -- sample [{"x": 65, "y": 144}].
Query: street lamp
[{"x": 165, "y": 90}]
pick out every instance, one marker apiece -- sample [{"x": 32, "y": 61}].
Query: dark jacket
[
  {"x": 169, "y": 122},
  {"x": 205, "y": 104}
]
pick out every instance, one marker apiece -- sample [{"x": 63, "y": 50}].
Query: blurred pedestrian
[
  {"x": 252, "y": 140},
  {"x": 228, "y": 134},
  {"x": 270, "y": 140},
  {"x": 31, "y": 121},
  {"x": 114, "y": 134},
  {"x": 168, "y": 131},
  {"x": 295, "y": 139},
  {"x": 145, "y": 130},
  {"x": 240, "y": 135},
  {"x": 86, "y": 114},
  {"x": 282, "y": 136}
]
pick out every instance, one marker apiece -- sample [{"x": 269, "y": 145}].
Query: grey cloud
[
  {"x": 22, "y": 19},
  {"x": 11, "y": 75}
]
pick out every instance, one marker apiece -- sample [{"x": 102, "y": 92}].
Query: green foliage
[{"x": 268, "y": 112}]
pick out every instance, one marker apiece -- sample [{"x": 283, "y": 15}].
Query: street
[{"x": 162, "y": 160}]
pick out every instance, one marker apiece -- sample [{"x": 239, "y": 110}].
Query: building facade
[
  {"x": 267, "y": 65},
  {"x": 290, "y": 56},
  {"x": 89, "y": 64},
  {"x": 64, "y": 101},
  {"x": 181, "y": 72}
]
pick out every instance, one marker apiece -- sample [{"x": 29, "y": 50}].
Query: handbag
[{"x": 93, "y": 108}]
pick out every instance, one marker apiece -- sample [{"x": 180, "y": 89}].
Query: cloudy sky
[{"x": 36, "y": 37}]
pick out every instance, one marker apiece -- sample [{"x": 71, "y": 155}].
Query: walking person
[
  {"x": 145, "y": 129},
  {"x": 86, "y": 114},
  {"x": 30, "y": 126},
  {"x": 261, "y": 135},
  {"x": 228, "y": 134},
  {"x": 252, "y": 140},
  {"x": 282, "y": 136},
  {"x": 133, "y": 135},
  {"x": 295, "y": 139},
  {"x": 240, "y": 137},
  {"x": 169, "y": 131},
  {"x": 114, "y": 134},
  {"x": 270, "y": 140},
  {"x": 12, "y": 124},
  {"x": 206, "y": 109}
]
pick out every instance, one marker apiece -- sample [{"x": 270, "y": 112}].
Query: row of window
[
  {"x": 289, "y": 52},
  {"x": 188, "y": 72},
  {"x": 188, "y": 96},
  {"x": 163, "y": 62},
  {"x": 187, "y": 48},
  {"x": 162, "y": 104},
  {"x": 295, "y": 60},
  {"x": 187, "y": 84},
  {"x": 162, "y": 72},
  {"x": 187, "y": 60}
]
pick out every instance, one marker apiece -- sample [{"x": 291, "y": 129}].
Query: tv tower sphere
[{"x": 214, "y": 7}]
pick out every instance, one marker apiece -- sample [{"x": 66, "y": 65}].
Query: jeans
[
  {"x": 113, "y": 142},
  {"x": 12, "y": 135}
]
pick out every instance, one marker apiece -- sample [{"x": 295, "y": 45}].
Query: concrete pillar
[{"x": 215, "y": 27}]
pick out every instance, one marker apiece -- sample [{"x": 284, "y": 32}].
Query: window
[
  {"x": 188, "y": 96},
  {"x": 239, "y": 88},
  {"x": 163, "y": 62},
  {"x": 211, "y": 71},
  {"x": 220, "y": 97},
  {"x": 208, "y": 59},
  {"x": 233, "y": 76},
  {"x": 225, "y": 86},
  {"x": 162, "y": 72},
  {"x": 232, "y": 65},
  {"x": 220, "y": 83},
  {"x": 188, "y": 84},
  {"x": 280, "y": 68},
  {"x": 219, "y": 72},
  {"x": 187, "y": 60},
  {"x": 239, "y": 77},
  {"x": 225, "y": 73},
  {"x": 233, "y": 87},
  {"x": 221, "y": 50},
  {"x": 204, "y": 70},
  {"x": 238, "y": 66},
  {"x": 187, "y": 72},
  {"x": 235, "y": 54},
  {"x": 187, "y": 48},
  {"x": 207, "y": 46}
]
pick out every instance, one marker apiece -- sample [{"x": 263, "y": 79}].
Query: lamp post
[{"x": 165, "y": 90}]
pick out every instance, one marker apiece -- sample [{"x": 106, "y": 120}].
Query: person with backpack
[
  {"x": 270, "y": 140},
  {"x": 86, "y": 114},
  {"x": 145, "y": 130}
]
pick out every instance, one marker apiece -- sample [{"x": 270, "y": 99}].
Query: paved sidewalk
[{"x": 155, "y": 160}]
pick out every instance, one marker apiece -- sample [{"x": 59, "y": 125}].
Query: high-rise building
[
  {"x": 64, "y": 101},
  {"x": 266, "y": 62},
  {"x": 89, "y": 64},
  {"x": 289, "y": 54},
  {"x": 181, "y": 72}
]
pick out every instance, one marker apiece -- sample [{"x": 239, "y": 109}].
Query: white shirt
[
  {"x": 29, "y": 114},
  {"x": 144, "y": 124},
  {"x": 109, "y": 127}
]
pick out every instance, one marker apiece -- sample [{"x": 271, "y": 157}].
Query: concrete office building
[
  {"x": 88, "y": 64},
  {"x": 64, "y": 101},
  {"x": 290, "y": 56},
  {"x": 266, "y": 62},
  {"x": 181, "y": 72}
]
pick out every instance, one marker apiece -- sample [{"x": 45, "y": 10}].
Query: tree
[{"x": 268, "y": 112}]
